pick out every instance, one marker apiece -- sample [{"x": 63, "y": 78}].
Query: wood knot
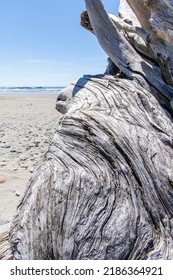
[
  {"x": 85, "y": 21},
  {"x": 128, "y": 21},
  {"x": 150, "y": 3}
]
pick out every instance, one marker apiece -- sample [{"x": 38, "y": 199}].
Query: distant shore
[
  {"x": 29, "y": 90},
  {"x": 28, "y": 123}
]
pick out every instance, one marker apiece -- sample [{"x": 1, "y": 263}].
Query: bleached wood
[
  {"x": 5, "y": 251},
  {"x": 104, "y": 188},
  {"x": 124, "y": 57},
  {"x": 151, "y": 46},
  {"x": 161, "y": 19},
  {"x": 156, "y": 17},
  {"x": 126, "y": 13},
  {"x": 141, "y": 11}
]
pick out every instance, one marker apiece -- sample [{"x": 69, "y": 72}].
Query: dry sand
[{"x": 27, "y": 125}]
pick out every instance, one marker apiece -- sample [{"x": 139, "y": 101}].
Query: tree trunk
[{"x": 104, "y": 189}]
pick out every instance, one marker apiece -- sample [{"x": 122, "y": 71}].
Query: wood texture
[
  {"x": 141, "y": 11},
  {"x": 104, "y": 189},
  {"x": 122, "y": 53},
  {"x": 156, "y": 19},
  {"x": 5, "y": 251}
]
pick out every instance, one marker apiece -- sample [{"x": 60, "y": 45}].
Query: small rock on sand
[
  {"x": 2, "y": 180},
  {"x": 5, "y": 146},
  {"x": 31, "y": 170},
  {"x": 17, "y": 193},
  {"x": 3, "y": 164}
]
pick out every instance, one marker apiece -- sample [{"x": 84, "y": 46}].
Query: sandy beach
[{"x": 28, "y": 123}]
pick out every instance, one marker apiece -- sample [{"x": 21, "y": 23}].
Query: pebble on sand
[
  {"x": 17, "y": 193},
  {"x": 5, "y": 146},
  {"x": 3, "y": 164},
  {"x": 2, "y": 180}
]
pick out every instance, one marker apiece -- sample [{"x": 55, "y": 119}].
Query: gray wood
[
  {"x": 121, "y": 52},
  {"x": 156, "y": 18},
  {"x": 126, "y": 13},
  {"x": 104, "y": 189},
  {"x": 5, "y": 251}
]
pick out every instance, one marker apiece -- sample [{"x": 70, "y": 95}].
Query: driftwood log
[
  {"x": 5, "y": 251},
  {"x": 104, "y": 189}
]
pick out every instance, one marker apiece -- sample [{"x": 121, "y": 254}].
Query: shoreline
[{"x": 28, "y": 123}]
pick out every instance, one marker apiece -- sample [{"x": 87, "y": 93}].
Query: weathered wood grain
[
  {"x": 104, "y": 189},
  {"x": 5, "y": 251},
  {"x": 156, "y": 18},
  {"x": 122, "y": 53},
  {"x": 141, "y": 11}
]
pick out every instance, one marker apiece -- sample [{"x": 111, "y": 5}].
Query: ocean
[{"x": 30, "y": 90}]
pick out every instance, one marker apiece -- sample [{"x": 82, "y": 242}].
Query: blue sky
[{"x": 43, "y": 44}]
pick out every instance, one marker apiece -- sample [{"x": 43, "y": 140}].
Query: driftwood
[
  {"x": 104, "y": 189},
  {"x": 5, "y": 251},
  {"x": 127, "y": 59}
]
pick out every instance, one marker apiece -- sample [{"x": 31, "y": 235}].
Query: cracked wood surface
[{"x": 104, "y": 189}]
